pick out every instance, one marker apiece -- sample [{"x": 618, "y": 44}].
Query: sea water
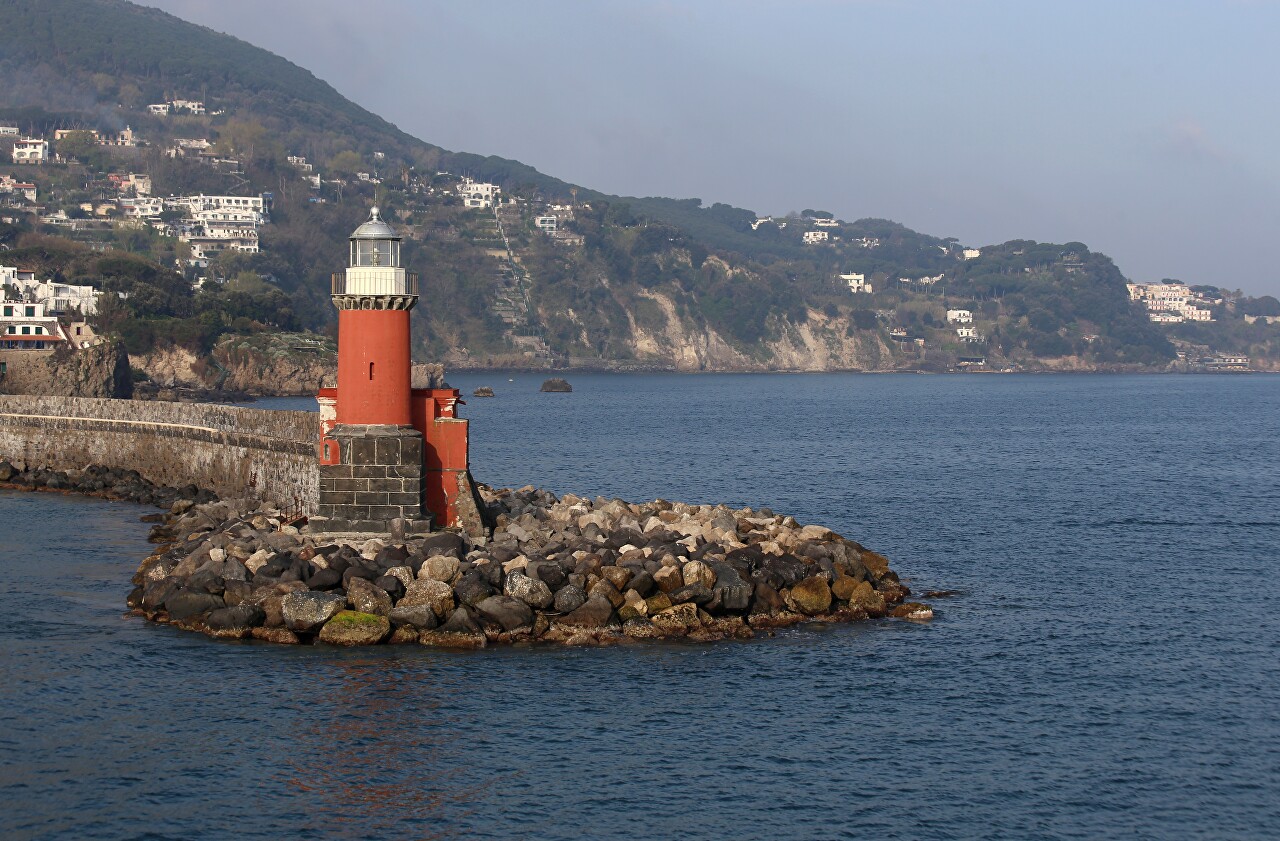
[{"x": 1110, "y": 665}]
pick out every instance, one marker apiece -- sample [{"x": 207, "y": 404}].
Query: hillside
[{"x": 609, "y": 282}]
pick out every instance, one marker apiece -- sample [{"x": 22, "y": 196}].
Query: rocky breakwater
[
  {"x": 100, "y": 481},
  {"x": 557, "y": 570}
]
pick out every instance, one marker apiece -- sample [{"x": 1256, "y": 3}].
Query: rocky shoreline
[{"x": 564, "y": 570}]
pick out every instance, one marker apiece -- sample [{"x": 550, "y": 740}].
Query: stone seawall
[{"x": 232, "y": 451}]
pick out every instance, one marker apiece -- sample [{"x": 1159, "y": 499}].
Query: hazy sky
[{"x": 1147, "y": 129}]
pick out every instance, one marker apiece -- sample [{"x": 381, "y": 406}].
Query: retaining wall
[{"x": 231, "y": 450}]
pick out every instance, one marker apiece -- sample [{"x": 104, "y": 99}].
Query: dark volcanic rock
[
  {"x": 596, "y": 612},
  {"x": 418, "y": 616},
  {"x": 238, "y": 619},
  {"x": 510, "y": 613},
  {"x": 569, "y": 598},
  {"x": 472, "y": 589},
  {"x": 184, "y": 604}
]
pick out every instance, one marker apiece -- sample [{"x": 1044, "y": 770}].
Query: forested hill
[{"x": 608, "y": 281}]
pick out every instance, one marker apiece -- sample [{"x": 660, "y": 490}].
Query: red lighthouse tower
[
  {"x": 371, "y": 456},
  {"x": 391, "y": 455}
]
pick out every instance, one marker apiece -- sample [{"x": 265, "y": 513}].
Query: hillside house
[
  {"x": 548, "y": 224},
  {"x": 477, "y": 194},
  {"x": 18, "y": 190},
  {"x": 815, "y": 237},
  {"x": 29, "y": 150},
  {"x": 25, "y": 326},
  {"x": 866, "y": 242},
  {"x": 971, "y": 253},
  {"x": 826, "y": 223},
  {"x": 191, "y": 106},
  {"x": 760, "y": 220},
  {"x": 160, "y": 109},
  {"x": 857, "y": 283},
  {"x": 300, "y": 163},
  {"x": 959, "y": 317},
  {"x": 968, "y": 333},
  {"x": 9, "y": 131}
]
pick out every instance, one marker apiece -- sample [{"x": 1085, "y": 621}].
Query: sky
[{"x": 1146, "y": 129}]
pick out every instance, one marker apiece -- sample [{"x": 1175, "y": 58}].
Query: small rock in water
[
  {"x": 555, "y": 384},
  {"x": 482, "y": 391}
]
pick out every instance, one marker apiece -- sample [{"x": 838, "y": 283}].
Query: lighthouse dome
[{"x": 374, "y": 228}]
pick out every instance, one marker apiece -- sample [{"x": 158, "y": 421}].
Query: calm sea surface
[{"x": 1111, "y": 668}]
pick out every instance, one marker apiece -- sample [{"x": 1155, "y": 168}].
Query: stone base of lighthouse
[{"x": 376, "y": 478}]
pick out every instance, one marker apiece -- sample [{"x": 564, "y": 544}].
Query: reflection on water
[{"x": 1106, "y": 670}]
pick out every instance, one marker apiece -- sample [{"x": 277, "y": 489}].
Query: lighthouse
[
  {"x": 392, "y": 457},
  {"x": 371, "y": 455}
]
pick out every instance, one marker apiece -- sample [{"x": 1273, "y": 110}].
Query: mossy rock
[{"x": 350, "y": 627}]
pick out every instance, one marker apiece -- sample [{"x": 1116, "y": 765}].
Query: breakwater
[
  {"x": 232, "y": 451},
  {"x": 557, "y": 570}
]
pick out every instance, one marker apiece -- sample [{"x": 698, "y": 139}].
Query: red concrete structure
[{"x": 388, "y": 451}]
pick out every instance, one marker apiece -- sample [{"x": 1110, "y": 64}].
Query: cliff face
[
  {"x": 820, "y": 343},
  {"x": 261, "y": 365},
  {"x": 100, "y": 371}
]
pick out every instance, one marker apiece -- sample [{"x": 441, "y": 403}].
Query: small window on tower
[{"x": 371, "y": 370}]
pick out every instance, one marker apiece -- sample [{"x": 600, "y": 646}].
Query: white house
[
  {"x": 24, "y": 326},
  {"x": 971, "y": 253},
  {"x": 28, "y": 150},
  {"x": 160, "y": 109},
  {"x": 478, "y": 194},
  {"x": 547, "y": 223},
  {"x": 193, "y": 106},
  {"x": 9, "y": 131},
  {"x": 813, "y": 237},
  {"x": 968, "y": 334},
  {"x": 857, "y": 283},
  {"x": 826, "y": 223},
  {"x": 959, "y": 317}
]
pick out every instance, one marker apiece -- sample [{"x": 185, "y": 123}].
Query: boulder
[
  {"x": 236, "y": 621},
  {"x": 510, "y": 613},
  {"x": 603, "y": 589},
  {"x": 461, "y": 622},
  {"x": 528, "y": 590},
  {"x": 767, "y": 600},
  {"x": 556, "y": 385},
  {"x": 307, "y": 611},
  {"x": 418, "y": 616},
  {"x": 351, "y": 627},
  {"x": 812, "y": 596},
  {"x": 864, "y": 597},
  {"x": 444, "y": 543},
  {"x": 364, "y": 597},
  {"x": 595, "y": 612},
  {"x": 617, "y": 576},
  {"x": 428, "y": 591},
  {"x": 731, "y": 591},
  {"x": 185, "y": 604},
  {"x": 472, "y": 589},
  {"x": 569, "y": 598},
  {"x": 668, "y": 579},
  {"x": 392, "y": 586},
  {"x": 679, "y": 617},
  {"x": 696, "y": 572},
  {"x": 483, "y": 391},
  {"x": 440, "y": 568}
]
